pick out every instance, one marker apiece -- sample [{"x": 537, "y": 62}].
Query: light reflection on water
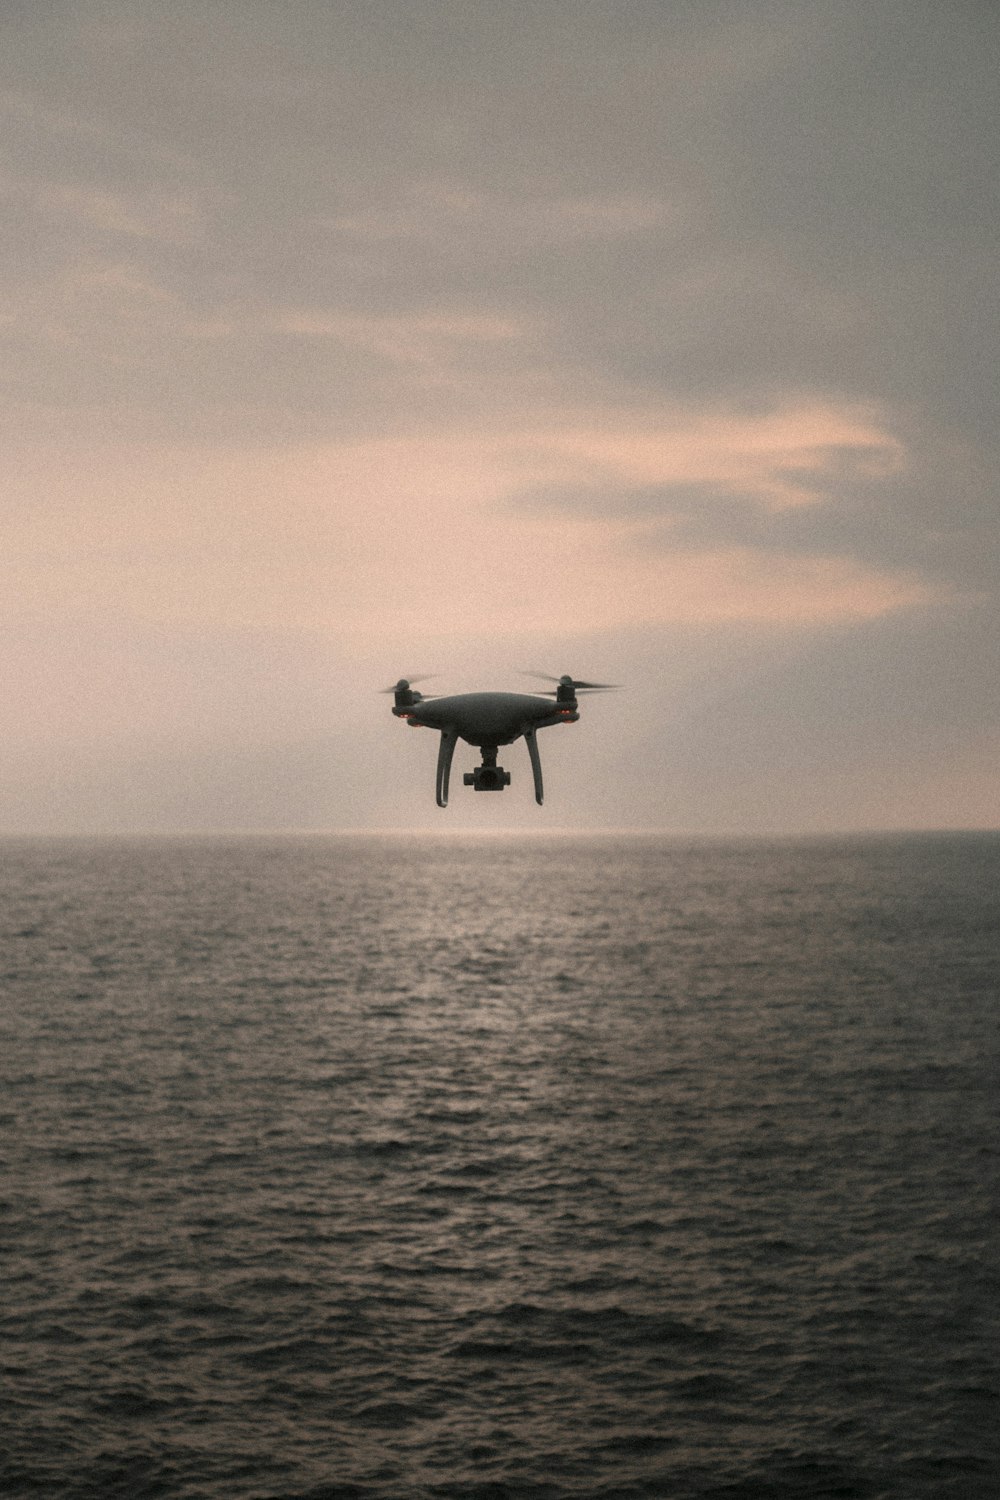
[{"x": 575, "y": 1167}]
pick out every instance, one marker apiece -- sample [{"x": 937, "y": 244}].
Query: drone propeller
[
  {"x": 405, "y": 683},
  {"x": 571, "y": 682}
]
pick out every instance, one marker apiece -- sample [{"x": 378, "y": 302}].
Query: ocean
[{"x": 564, "y": 1168}]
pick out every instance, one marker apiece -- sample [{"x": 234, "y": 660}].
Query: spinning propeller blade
[
  {"x": 577, "y": 686},
  {"x": 407, "y": 682}
]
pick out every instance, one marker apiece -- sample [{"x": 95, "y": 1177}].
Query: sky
[{"x": 652, "y": 341}]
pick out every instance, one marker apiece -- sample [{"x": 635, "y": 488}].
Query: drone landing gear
[
  {"x": 536, "y": 764},
  {"x": 445, "y": 752},
  {"x": 489, "y": 777}
]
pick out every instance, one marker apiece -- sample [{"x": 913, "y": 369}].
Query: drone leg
[
  {"x": 536, "y": 764},
  {"x": 445, "y": 753}
]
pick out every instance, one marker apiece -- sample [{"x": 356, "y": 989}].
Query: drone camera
[{"x": 487, "y": 779}]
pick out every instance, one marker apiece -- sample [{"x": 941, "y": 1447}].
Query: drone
[{"x": 489, "y": 720}]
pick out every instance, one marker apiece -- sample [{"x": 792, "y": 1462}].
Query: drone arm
[
  {"x": 536, "y": 764},
  {"x": 445, "y": 753}
]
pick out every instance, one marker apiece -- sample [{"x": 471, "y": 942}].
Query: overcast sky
[{"x": 650, "y": 341}]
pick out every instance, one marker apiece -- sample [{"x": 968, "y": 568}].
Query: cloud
[
  {"x": 434, "y": 342},
  {"x": 456, "y": 219},
  {"x": 21, "y": 105},
  {"x": 800, "y": 483},
  {"x": 779, "y": 455},
  {"x": 388, "y": 537},
  {"x": 148, "y": 214}
]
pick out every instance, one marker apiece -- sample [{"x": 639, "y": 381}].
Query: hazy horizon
[
  {"x": 655, "y": 344},
  {"x": 512, "y": 833}
]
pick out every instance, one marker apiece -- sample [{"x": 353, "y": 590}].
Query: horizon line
[{"x": 624, "y": 831}]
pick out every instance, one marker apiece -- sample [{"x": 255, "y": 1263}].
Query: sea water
[{"x": 565, "y": 1168}]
